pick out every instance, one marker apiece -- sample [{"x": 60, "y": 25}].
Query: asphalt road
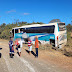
[{"x": 25, "y": 63}]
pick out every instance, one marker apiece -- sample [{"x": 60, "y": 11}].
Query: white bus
[{"x": 52, "y": 33}]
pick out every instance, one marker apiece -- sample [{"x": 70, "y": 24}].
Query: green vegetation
[
  {"x": 6, "y": 28},
  {"x": 69, "y": 28}
]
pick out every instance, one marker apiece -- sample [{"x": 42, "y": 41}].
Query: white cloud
[
  {"x": 26, "y": 13},
  {"x": 11, "y": 11}
]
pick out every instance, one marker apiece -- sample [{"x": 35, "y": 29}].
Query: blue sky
[{"x": 35, "y": 10}]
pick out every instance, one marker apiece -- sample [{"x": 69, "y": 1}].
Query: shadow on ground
[
  {"x": 0, "y": 48},
  {"x": 0, "y": 53},
  {"x": 31, "y": 52},
  {"x": 17, "y": 51}
]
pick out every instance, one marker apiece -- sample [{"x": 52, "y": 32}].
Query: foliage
[
  {"x": 55, "y": 20},
  {"x": 6, "y": 28},
  {"x": 69, "y": 28}
]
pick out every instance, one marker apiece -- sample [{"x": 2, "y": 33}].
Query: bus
[{"x": 52, "y": 33}]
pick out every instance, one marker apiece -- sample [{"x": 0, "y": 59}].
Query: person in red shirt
[
  {"x": 36, "y": 45},
  {"x": 16, "y": 43}
]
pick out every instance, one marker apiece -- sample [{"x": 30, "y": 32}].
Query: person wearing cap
[
  {"x": 11, "y": 47},
  {"x": 29, "y": 45},
  {"x": 36, "y": 45}
]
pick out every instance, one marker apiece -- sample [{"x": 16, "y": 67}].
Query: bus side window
[
  {"x": 21, "y": 30},
  {"x": 16, "y": 30}
]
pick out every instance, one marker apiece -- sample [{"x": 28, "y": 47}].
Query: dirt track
[{"x": 25, "y": 63}]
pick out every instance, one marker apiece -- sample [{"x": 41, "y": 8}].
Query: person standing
[
  {"x": 16, "y": 43},
  {"x": 19, "y": 46},
  {"x": 36, "y": 45},
  {"x": 29, "y": 45},
  {"x": 11, "y": 48}
]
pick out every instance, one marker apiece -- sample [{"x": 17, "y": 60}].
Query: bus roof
[{"x": 37, "y": 25}]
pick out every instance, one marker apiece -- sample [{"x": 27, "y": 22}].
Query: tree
[
  {"x": 69, "y": 27},
  {"x": 55, "y": 20}
]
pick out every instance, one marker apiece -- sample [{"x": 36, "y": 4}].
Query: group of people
[{"x": 19, "y": 44}]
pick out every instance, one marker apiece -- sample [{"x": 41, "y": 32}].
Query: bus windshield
[{"x": 61, "y": 26}]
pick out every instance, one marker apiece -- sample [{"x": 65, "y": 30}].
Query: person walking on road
[
  {"x": 29, "y": 45},
  {"x": 36, "y": 46}
]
